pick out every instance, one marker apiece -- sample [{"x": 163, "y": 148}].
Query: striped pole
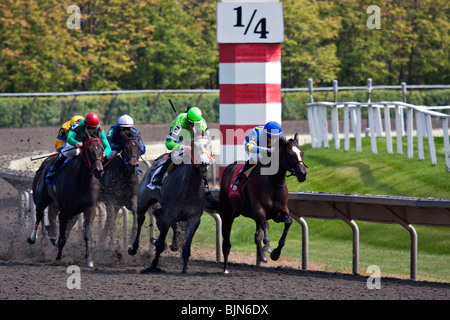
[{"x": 249, "y": 77}]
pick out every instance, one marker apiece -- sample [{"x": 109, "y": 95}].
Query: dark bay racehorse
[
  {"x": 120, "y": 183},
  {"x": 266, "y": 197},
  {"x": 76, "y": 190},
  {"x": 182, "y": 198}
]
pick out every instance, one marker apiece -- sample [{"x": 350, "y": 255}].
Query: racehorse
[
  {"x": 182, "y": 198},
  {"x": 119, "y": 184},
  {"x": 75, "y": 190},
  {"x": 264, "y": 197}
]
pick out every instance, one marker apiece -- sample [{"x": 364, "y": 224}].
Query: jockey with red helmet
[
  {"x": 259, "y": 141},
  {"x": 76, "y": 135}
]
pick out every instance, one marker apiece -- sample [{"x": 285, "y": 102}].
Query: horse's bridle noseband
[
  {"x": 291, "y": 169},
  {"x": 85, "y": 153}
]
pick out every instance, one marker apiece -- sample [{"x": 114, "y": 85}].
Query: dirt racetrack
[{"x": 29, "y": 272}]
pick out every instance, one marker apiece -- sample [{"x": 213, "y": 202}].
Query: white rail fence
[{"x": 322, "y": 115}]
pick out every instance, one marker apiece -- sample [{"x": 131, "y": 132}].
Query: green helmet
[{"x": 194, "y": 115}]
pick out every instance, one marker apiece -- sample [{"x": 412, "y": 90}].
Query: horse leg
[
  {"x": 61, "y": 241},
  {"x": 227, "y": 216},
  {"x": 51, "y": 228},
  {"x": 275, "y": 255},
  {"x": 190, "y": 231},
  {"x": 160, "y": 245},
  {"x": 89, "y": 214},
  {"x": 140, "y": 221},
  {"x": 266, "y": 240},
  {"x": 39, "y": 215},
  {"x": 260, "y": 256}
]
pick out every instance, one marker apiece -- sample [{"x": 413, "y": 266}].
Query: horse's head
[
  {"x": 291, "y": 158},
  {"x": 93, "y": 154},
  {"x": 202, "y": 151},
  {"x": 131, "y": 149}
]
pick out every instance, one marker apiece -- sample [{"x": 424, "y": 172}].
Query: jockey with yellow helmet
[
  {"x": 185, "y": 121},
  {"x": 61, "y": 138},
  {"x": 74, "y": 140},
  {"x": 259, "y": 141}
]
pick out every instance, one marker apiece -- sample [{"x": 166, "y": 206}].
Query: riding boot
[
  {"x": 238, "y": 178},
  {"x": 157, "y": 179},
  {"x": 205, "y": 181},
  {"x": 59, "y": 161}
]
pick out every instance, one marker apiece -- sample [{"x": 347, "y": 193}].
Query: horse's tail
[{"x": 211, "y": 203}]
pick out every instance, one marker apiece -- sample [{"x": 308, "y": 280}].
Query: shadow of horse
[
  {"x": 119, "y": 185},
  {"x": 265, "y": 197},
  {"x": 181, "y": 198},
  {"x": 76, "y": 190}
]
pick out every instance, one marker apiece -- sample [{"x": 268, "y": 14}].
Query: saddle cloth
[
  {"x": 237, "y": 191},
  {"x": 58, "y": 171}
]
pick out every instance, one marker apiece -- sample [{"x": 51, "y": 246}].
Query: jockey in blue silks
[
  {"x": 115, "y": 139},
  {"x": 259, "y": 141}
]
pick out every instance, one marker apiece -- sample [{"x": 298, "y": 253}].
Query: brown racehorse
[
  {"x": 76, "y": 190},
  {"x": 120, "y": 184},
  {"x": 266, "y": 197}
]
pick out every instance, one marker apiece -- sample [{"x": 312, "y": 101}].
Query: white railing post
[
  {"x": 387, "y": 126},
  {"x": 446, "y": 143}
]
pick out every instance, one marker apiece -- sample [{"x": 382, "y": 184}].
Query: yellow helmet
[{"x": 75, "y": 119}]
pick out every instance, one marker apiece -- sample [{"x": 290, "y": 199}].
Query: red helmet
[{"x": 91, "y": 120}]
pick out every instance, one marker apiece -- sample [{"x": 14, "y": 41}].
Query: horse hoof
[
  {"x": 89, "y": 264},
  {"x": 226, "y": 271},
  {"x": 132, "y": 251},
  {"x": 53, "y": 241},
  {"x": 267, "y": 248},
  {"x": 30, "y": 241},
  {"x": 275, "y": 255}
]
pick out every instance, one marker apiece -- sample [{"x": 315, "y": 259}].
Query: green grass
[{"x": 330, "y": 241}]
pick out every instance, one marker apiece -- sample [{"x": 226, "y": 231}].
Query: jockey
[
  {"x": 185, "y": 121},
  {"x": 258, "y": 141},
  {"x": 74, "y": 140},
  {"x": 61, "y": 138},
  {"x": 115, "y": 139}
]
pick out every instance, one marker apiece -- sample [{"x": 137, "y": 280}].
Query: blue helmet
[{"x": 273, "y": 128}]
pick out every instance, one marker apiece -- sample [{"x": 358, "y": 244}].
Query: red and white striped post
[{"x": 249, "y": 36}]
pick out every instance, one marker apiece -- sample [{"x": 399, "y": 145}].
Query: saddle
[
  {"x": 238, "y": 191},
  {"x": 58, "y": 171}
]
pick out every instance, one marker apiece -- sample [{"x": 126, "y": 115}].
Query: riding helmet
[
  {"x": 273, "y": 128},
  {"x": 126, "y": 121},
  {"x": 194, "y": 115},
  {"x": 92, "y": 120}
]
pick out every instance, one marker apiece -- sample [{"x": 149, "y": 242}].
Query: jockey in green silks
[
  {"x": 75, "y": 136},
  {"x": 185, "y": 121}
]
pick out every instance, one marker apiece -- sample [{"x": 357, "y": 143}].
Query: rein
[{"x": 86, "y": 156}]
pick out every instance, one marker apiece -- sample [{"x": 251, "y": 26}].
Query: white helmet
[{"x": 126, "y": 121}]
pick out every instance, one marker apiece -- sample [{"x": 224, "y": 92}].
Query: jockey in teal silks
[
  {"x": 259, "y": 141},
  {"x": 74, "y": 140}
]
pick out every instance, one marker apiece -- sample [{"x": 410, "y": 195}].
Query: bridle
[
  {"x": 196, "y": 158},
  {"x": 86, "y": 158},
  {"x": 125, "y": 157},
  {"x": 290, "y": 168}
]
